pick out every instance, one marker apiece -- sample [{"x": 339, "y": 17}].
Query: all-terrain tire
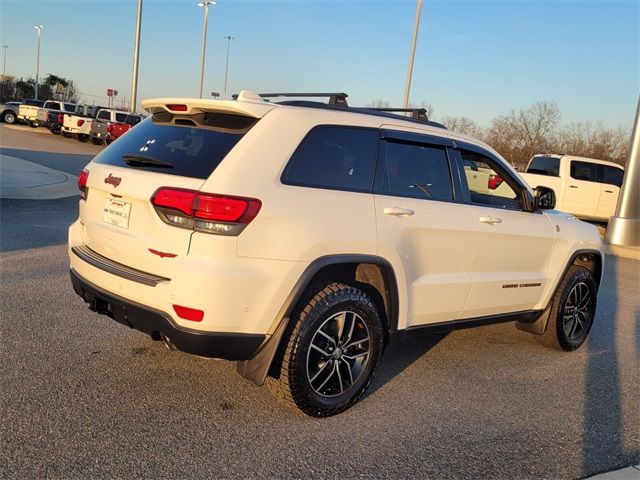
[
  {"x": 323, "y": 303},
  {"x": 82, "y": 137},
  {"x": 572, "y": 312},
  {"x": 97, "y": 141}
]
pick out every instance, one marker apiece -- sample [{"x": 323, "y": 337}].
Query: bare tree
[{"x": 463, "y": 125}]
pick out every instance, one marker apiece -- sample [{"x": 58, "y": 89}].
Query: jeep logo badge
[{"x": 115, "y": 181}]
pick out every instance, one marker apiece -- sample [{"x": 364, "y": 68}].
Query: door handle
[
  {"x": 490, "y": 220},
  {"x": 608, "y": 191},
  {"x": 398, "y": 211},
  {"x": 573, "y": 186}
]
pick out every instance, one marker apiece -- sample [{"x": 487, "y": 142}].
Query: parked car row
[{"x": 83, "y": 122}]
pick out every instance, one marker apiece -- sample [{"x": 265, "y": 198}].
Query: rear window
[
  {"x": 104, "y": 115},
  {"x": 69, "y": 107},
  {"x": 545, "y": 166},
  {"x": 188, "y": 146},
  {"x": 132, "y": 119},
  {"x": 334, "y": 157},
  {"x": 120, "y": 117}
]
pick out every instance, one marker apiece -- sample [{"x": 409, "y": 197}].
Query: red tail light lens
[
  {"x": 80, "y": 122},
  {"x": 495, "y": 181},
  {"x": 189, "y": 313},
  {"x": 60, "y": 117},
  {"x": 177, "y": 108},
  {"x": 82, "y": 183},
  {"x": 205, "y": 212}
]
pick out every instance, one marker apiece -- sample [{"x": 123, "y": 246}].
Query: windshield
[
  {"x": 192, "y": 148},
  {"x": 544, "y": 165}
]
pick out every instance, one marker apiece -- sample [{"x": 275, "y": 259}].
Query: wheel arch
[{"x": 371, "y": 273}]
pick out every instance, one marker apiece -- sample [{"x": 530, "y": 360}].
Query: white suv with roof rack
[{"x": 299, "y": 238}]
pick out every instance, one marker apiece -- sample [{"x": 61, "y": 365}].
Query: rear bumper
[{"x": 229, "y": 346}]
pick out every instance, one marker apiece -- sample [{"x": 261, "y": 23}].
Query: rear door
[
  {"x": 582, "y": 189},
  {"x": 423, "y": 228},
  {"x": 510, "y": 263},
  {"x": 610, "y": 178},
  {"x": 120, "y": 221}
]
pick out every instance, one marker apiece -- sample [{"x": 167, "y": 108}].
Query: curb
[{"x": 629, "y": 473}]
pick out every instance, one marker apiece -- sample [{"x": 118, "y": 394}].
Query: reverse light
[
  {"x": 189, "y": 313},
  {"x": 205, "y": 212},
  {"x": 82, "y": 183},
  {"x": 80, "y": 122},
  {"x": 494, "y": 181}
]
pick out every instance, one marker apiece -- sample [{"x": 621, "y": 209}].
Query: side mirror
[{"x": 545, "y": 198}]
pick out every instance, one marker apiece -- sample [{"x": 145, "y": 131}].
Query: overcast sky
[{"x": 474, "y": 58}]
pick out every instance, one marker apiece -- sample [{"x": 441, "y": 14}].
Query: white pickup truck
[
  {"x": 84, "y": 127},
  {"x": 584, "y": 187},
  {"x": 36, "y": 116}
]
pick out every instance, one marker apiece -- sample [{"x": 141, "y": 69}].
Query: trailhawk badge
[{"x": 111, "y": 180}]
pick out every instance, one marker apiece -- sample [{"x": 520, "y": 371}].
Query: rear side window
[
  {"x": 583, "y": 171},
  {"x": 335, "y": 157},
  {"x": 188, "y": 146},
  {"x": 417, "y": 171},
  {"x": 612, "y": 175},
  {"x": 544, "y": 166}
]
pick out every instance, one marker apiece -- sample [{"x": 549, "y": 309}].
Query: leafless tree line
[{"x": 520, "y": 134}]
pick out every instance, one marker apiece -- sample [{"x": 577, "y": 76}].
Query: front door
[{"x": 510, "y": 263}]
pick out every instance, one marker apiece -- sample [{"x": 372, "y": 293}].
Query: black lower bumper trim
[{"x": 229, "y": 346}]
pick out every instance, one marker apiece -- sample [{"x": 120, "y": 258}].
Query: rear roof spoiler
[{"x": 247, "y": 106}]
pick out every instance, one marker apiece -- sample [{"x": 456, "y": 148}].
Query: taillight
[
  {"x": 495, "y": 181},
  {"x": 82, "y": 183},
  {"x": 205, "y": 212},
  {"x": 189, "y": 313},
  {"x": 80, "y": 122},
  {"x": 60, "y": 117}
]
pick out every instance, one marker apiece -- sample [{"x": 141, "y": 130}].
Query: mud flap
[
  {"x": 539, "y": 325},
  {"x": 257, "y": 367}
]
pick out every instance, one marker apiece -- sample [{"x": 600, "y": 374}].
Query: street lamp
[
  {"x": 136, "y": 53},
  {"x": 226, "y": 70},
  {"x": 39, "y": 31},
  {"x": 205, "y": 4},
  {"x": 416, "y": 25},
  {"x": 4, "y": 61}
]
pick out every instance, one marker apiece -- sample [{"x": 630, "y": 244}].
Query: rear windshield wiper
[{"x": 133, "y": 159}]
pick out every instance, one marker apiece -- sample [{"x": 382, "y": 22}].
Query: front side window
[
  {"x": 612, "y": 175},
  {"x": 486, "y": 186},
  {"x": 583, "y": 171},
  {"x": 334, "y": 157},
  {"x": 417, "y": 171}
]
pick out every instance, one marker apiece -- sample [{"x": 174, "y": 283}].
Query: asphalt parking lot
[{"x": 84, "y": 397}]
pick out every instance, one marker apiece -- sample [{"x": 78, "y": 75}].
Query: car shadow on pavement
[
  {"x": 604, "y": 410},
  {"x": 401, "y": 354},
  {"x": 27, "y": 224}
]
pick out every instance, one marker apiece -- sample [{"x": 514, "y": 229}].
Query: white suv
[{"x": 298, "y": 238}]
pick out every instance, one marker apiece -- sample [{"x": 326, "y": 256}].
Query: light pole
[
  {"x": 39, "y": 31},
  {"x": 136, "y": 53},
  {"x": 226, "y": 70},
  {"x": 4, "y": 61},
  {"x": 205, "y": 4},
  {"x": 416, "y": 25}
]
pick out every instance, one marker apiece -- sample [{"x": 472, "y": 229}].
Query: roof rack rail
[
  {"x": 338, "y": 99},
  {"x": 416, "y": 113}
]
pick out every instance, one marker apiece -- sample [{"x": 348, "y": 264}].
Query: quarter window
[
  {"x": 486, "y": 186},
  {"x": 334, "y": 157},
  {"x": 417, "y": 171},
  {"x": 583, "y": 171}
]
